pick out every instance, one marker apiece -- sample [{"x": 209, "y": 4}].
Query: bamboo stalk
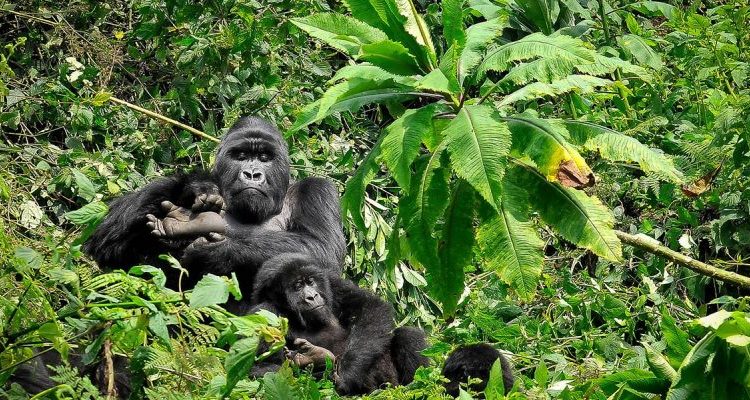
[
  {"x": 652, "y": 246},
  {"x": 165, "y": 119}
]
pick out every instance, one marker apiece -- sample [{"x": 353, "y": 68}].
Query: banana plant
[{"x": 476, "y": 175}]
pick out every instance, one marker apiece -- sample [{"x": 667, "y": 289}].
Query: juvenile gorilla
[
  {"x": 264, "y": 215},
  {"x": 475, "y": 361},
  {"x": 330, "y": 317}
]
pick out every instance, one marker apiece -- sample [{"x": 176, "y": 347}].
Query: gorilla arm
[
  {"x": 313, "y": 226},
  {"x": 370, "y": 323},
  {"x": 123, "y": 239}
]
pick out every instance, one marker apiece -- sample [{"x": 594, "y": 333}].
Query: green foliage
[
  {"x": 486, "y": 151},
  {"x": 475, "y": 136}
]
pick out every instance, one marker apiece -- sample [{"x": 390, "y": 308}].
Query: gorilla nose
[{"x": 254, "y": 175}]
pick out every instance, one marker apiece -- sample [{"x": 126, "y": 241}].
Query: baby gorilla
[{"x": 332, "y": 318}]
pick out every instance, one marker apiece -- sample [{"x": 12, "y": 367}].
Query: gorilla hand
[
  {"x": 182, "y": 223},
  {"x": 208, "y": 202},
  {"x": 308, "y": 353},
  {"x": 204, "y": 195}
]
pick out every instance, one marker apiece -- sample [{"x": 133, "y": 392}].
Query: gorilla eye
[
  {"x": 309, "y": 281},
  {"x": 241, "y": 155},
  {"x": 264, "y": 157}
]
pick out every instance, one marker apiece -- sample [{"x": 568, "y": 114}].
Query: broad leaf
[
  {"x": 210, "y": 290},
  {"x": 239, "y": 361},
  {"x": 542, "y": 13},
  {"x": 577, "y": 83},
  {"x": 478, "y": 37},
  {"x": 350, "y": 96},
  {"x": 386, "y": 15},
  {"x": 478, "y": 143},
  {"x": 509, "y": 242},
  {"x": 391, "y": 56},
  {"x": 422, "y": 207},
  {"x": 446, "y": 280},
  {"x": 341, "y": 32},
  {"x": 415, "y": 25},
  {"x": 437, "y": 82},
  {"x": 354, "y": 193},
  {"x": 536, "y": 45},
  {"x": 642, "y": 52},
  {"x": 402, "y": 141},
  {"x": 615, "y": 146},
  {"x": 363, "y": 72},
  {"x": 453, "y": 22},
  {"x": 91, "y": 213},
  {"x": 546, "y": 144},
  {"x": 580, "y": 219}
]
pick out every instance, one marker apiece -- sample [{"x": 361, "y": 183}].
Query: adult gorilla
[
  {"x": 265, "y": 215},
  {"x": 332, "y": 318}
]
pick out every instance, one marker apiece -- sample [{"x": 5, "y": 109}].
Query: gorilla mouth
[{"x": 254, "y": 188}]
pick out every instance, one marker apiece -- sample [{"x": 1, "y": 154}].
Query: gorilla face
[
  {"x": 308, "y": 295},
  {"x": 252, "y": 167}
]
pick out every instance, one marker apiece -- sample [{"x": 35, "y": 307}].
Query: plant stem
[
  {"x": 605, "y": 23},
  {"x": 650, "y": 245},
  {"x": 165, "y": 119}
]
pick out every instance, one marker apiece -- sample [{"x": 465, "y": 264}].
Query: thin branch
[
  {"x": 165, "y": 119},
  {"x": 652, "y": 246}
]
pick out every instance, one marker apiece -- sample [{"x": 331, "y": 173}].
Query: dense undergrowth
[{"x": 651, "y": 98}]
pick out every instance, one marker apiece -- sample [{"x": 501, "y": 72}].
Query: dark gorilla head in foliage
[
  {"x": 252, "y": 168},
  {"x": 475, "y": 361},
  {"x": 299, "y": 287}
]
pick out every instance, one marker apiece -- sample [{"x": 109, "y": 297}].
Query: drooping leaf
[
  {"x": 580, "y": 219},
  {"x": 572, "y": 83},
  {"x": 509, "y": 242},
  {"x": 615, "y": 146},
  {"x": 642, "y": 52},
  {"x": 339, "y": 31},
  {"x": 364, "y": 72},
  {"x": 422, "y": 207},
  {"x": 652, "y": 8},
  {"x": 386, "y": 15},
  {"x": 478, "y": 143},
  {"x": 350, "y": 96},
  {"x": 453, "y": 22},
  {"x": 546, "y": 144},
  {"x": 603, "y": 65},
  {"x": 351, "y": 201},
  {"x": 478, "y": 37},
  {"x": 391, "y": 56},
  {"x": 536, "y": 45},
  {"x": 437, "y": 82},
  {"x": 402, "y": 140},
  {"x": 542, "y": 13},
  {"x": 446, "y": 280},
  {"x": 415, "y": 25}
]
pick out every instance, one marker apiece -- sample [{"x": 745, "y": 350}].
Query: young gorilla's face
[
  {"x": 252, "y": 167},
  {"x": 307, "y": 294}
]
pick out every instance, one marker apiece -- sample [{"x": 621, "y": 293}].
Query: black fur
[
  {"x": 354, "y": 324},
  {"x": 266, "y": 215},
  {"x": 475, "y": 361}
]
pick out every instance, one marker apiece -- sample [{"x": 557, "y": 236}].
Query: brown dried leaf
[
  {"x": 570, "y": 175},
  {"x": 701, "y": 185}
]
